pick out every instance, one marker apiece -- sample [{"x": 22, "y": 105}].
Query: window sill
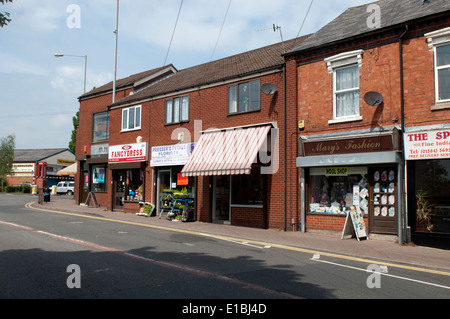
[
  {"x": 176, "y": 123},
  {"x": 440, "y": 106},
  {"x": 132, "y": 130},
  {"x": 345, "y": 119},
  {"x": 241, "y": 113}
]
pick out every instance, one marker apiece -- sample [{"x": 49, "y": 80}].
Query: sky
[{"x": 39, "y": 93}]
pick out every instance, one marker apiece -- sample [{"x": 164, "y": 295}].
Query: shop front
[
  {"x": 175, "y": 194},
  {"x": 236, "y": 163},
  {"x": 127, "y": 164},
  {"x": 361, "y": 171},
  {"x": 427, "y": 154}
]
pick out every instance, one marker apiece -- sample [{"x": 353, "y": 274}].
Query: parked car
[{"x": 65, "y": 188}]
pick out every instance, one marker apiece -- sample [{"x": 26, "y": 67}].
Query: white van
[{"x": 65, "y": 188}]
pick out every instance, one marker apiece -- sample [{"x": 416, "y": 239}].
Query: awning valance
[{"x": 226, "y": 152}]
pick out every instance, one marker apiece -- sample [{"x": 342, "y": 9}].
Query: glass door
[
  {"x": 164, "y": 182},
  {"x": 119, "y": 189},
  {"x": 221, "y": 198}
]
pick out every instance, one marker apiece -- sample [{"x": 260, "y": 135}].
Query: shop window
[
  {"x": 134, "y": 184},
  {"x": 247, "y": 189},
  {"x": 99, "y": 178},
  {"x": 131, "y": 118},
  {"x": 335, "y": 190},
  {"x": 244, "y": 97},
  {"x": 345, "y": 70},
  {"x": 100, "y": 130},
  {"x": 177, "y": 110},
  {"x": 432, "y": 196}
]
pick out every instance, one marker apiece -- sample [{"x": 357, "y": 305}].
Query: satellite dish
[
  {"x": 373, "y": 98},
  {"x": 269, "y": 88}
]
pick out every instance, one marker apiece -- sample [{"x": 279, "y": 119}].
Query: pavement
[{"x": 376, "y": 250}]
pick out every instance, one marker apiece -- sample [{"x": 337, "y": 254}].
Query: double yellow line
[{"x": 246, "y": 241}]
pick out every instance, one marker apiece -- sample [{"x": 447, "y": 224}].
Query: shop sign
[
  {"x": 23, "y": 168},
  {"x": 355, "y": 145},
  {"x": 171, "y": 155},
  {"x": 65, "y": 162},
  {"x": 128, "y": 153},
  {"x": 336, "y": 171},
  {"x": 427, "y": 145},
  {"x": 182, "y": 181},
  {"x": 98, "y": 150}
]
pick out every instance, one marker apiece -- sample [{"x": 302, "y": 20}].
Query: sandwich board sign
[{"x": 354, "y": 224}]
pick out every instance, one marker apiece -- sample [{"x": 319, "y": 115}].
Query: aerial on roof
[
  {"x": 35, "y": 155},
  {"x": 358, "y": 21},
  {"x": 243, "y": 64}
]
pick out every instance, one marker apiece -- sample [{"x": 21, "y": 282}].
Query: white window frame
[
  {"x": 179, "y": 112},
  {"x": 126, "y": 120},
  {"x": 341, "y": 61},
  {"x": 436, "y": 39}
]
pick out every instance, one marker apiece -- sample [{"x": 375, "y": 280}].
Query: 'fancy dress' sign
[{"x": 128, "y": 153}]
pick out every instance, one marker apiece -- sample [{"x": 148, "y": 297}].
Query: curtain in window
[
  {"x": 347, "y": 92},
  {"x": 169, "y": 111},
  {"x": 185, "y": 108},
  {"x": 232, "y": 99},
  {"x": 176, "y": 110}
]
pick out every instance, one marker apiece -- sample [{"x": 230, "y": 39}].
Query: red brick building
[
  {"x": 375, "y": 76},
  {"x": 220, "y": 133}
]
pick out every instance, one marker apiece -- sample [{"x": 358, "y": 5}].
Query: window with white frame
[
  {"x": 439, "y": 43},
  {"x": 131, "y": 118},
  {"x": 345, "y": 70},
  {"x": 177, "y": 110},
  {"x": 443, "y": 73}
]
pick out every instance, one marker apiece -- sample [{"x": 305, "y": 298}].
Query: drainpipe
[
  {"x": 402, "y": 230},
  {"x": 285, "y": 147}
]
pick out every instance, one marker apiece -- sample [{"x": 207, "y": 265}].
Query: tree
[
  {"x": 4, "y": 17},
  {"x": 7, "y": 146},
  {"x": 73, "y": 140}
]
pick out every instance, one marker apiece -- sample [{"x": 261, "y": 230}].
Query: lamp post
[
  {"x": 116, "y": 33},
  {"x": 59, "y": 55}
]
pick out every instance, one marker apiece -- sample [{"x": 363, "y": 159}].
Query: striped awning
[{"x": 226, "y": 152}]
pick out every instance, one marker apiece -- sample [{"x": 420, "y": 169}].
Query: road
[{"x": 51, "y": 256}]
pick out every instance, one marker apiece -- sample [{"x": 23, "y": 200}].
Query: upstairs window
[
  {"x": 100, "y": 127},
  {"x": 131, "y": 118},
  {"x": 443, "y": 73},
  {"x": 439, "y": 43},
  {"x": 346, "y": 92},
  {"x": 345, "y": 70},
  {"x": 177, "y": 110},
  {"x": 244, "y": 97}
]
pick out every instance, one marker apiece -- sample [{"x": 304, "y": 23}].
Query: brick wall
[{"x": 328, "y": 222}]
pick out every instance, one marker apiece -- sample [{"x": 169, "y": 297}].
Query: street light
[{"x": 59, "y": 55}]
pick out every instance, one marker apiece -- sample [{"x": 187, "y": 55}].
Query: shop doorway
[
  {"x": 85, "y": 188},
  {"x": 118, "y": 189},
  {"x": 383, "y": 217},
  {"x": 164, "y": 183},
  {"x": 221, "y": 199}
]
